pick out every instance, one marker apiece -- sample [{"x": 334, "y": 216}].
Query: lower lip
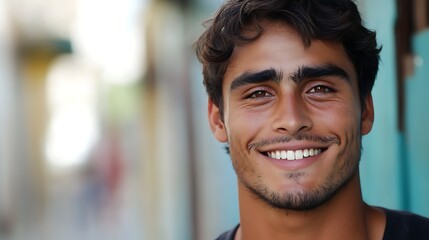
[{"x": 293, "y": 165}]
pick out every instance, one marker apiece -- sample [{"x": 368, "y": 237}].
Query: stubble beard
[{"x": 303, "y": 200}]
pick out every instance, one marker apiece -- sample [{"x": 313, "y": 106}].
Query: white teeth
[
  {"x": 294, "y": 155},
  {"x": 298, "y": 154},
  {"x": 290, "y": 155},
  {"x": 284, "y": 155},
  {"x": 305, "y": 153}
]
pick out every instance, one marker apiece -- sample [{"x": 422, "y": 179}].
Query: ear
[
  {"x": 367, "y": 115},
  {"x": 216, "y": 124}
]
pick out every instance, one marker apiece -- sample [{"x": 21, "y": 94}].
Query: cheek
[
  {"x": 245, "y": 125},
  {"x": 340, "y": 119},
  {"x": 243, "y": 118}
]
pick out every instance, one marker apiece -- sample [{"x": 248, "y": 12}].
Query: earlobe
[
  {"x": 216, "y": 124},
  {"x": 367, "y": 115}
]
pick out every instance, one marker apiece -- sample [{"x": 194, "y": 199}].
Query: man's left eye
[{"x": 320, "y": 89}]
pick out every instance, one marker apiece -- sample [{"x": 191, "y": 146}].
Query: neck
[{"x": 345, "y": 216}]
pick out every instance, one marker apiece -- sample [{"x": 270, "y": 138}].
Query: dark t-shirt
[
  {"x": 399, "y": 226},
  {"x": 405, "y": 225}
]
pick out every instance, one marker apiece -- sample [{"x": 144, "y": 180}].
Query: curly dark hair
[{"x": 329, "y": 20}]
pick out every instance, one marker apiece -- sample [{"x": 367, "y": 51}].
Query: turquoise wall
[
  {"x": 417, "y": 130},
  {"x": 395, "y": 165},
  {"x": 381, "y": 170}
]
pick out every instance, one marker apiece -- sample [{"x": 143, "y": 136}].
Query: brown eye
[
  {"x": 320, "y": 89},
  {"x": 260, "y": 94}
]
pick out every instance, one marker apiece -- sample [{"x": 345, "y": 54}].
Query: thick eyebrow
[
  {"x": 256, "y": 77},
  {"x": 301, "y": 73},
  {"x": 328, "y": 70}
]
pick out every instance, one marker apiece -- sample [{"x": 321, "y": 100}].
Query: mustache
[{"x": 284, "y": 139}]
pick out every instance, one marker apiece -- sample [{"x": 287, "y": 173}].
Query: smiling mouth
[{"x": 294, "y": 155}]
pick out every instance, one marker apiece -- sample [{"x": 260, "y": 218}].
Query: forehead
[{"x": 281, "y": 47}]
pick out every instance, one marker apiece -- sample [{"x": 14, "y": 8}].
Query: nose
[{"x": 291, "y": 116}]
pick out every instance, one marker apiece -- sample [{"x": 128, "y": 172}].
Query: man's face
[{"x": 292, "y": 118}]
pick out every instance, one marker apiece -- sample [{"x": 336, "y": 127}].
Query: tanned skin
[{"x": 281, "y": 96}]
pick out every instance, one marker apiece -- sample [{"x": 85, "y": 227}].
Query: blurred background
[{"x": 103, "y": 127}]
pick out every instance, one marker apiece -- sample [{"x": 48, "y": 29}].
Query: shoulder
[
  {"x": 229, "y": 235},
  {"x": 405, "y": 225}
]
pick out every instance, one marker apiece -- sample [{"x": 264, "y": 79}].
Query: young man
[{"x": 289, "y": 84}]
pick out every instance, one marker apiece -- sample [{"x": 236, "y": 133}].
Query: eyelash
[
  {"x": 320, "y": 89},
  {"x": 254, "y": 93}
]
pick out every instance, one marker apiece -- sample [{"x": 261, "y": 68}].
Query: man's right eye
[{"x": 260, "y": 94}]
